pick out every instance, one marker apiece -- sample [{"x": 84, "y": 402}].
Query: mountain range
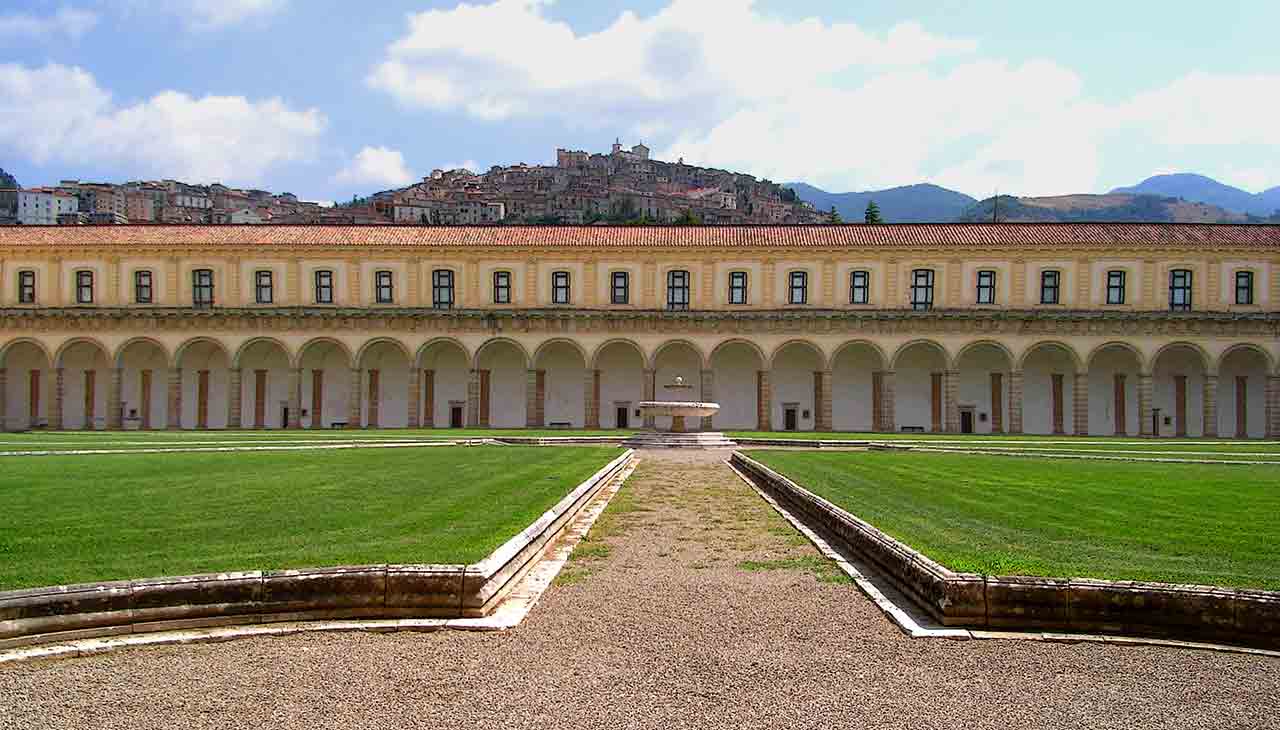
[{"x": 1182, "y": 198}]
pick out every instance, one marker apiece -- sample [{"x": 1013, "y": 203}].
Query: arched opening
[
  {"x": 920, "y": 371},
  {"x": 28, "y": 386},
  {"x": 736, "y": 368},
  {"x": 86, "y": 377},
  {"x": 445, "y": 368},
  {"x": 384, "y": 385},
  {"x": 560, "y": 372},
  {"x": 326, "y": 383},
  {"x": 1048, "y": 390},
  {"x": 503, "y": 374},
  {"x": 1178, "y": 385},
  {"x": 1114, "y": 373},
  {"x": 144, "y": 373},
  {"x": 982, "y": 396},
  {"x": 857, "y": 388},
  {"x": 620, "y": 365},
  {"x": 795, "y": 382},
  {"x": 205, "y": 368},
  {"x": 1242, "y": 393},
  {"x": 264, "y": 384},
  {"x": 676, "y": 360}
]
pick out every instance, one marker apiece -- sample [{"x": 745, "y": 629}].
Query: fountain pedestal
[{"x": 678, "y": 437}]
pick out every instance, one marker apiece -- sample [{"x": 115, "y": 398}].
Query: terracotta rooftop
[{"x": 769, "y": 236}]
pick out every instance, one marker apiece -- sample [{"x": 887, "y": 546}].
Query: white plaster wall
[
  {"x": 276, "y": 363},
  {"x": 564, "y": 387},
  {"x": 1037, "y": 389},
  {"x": 19, "y": 362},
  {"x": 1251, "y": 366},
  {"x": 913, "y": 386},
  {"x": 1102, "y": 371},
  {"x": 735, "y": 367},
  {"x": 1179, "y": 361},
  {"x": 621, "y": 379},
  {"x": 137, "y": 358},
  {"x": 450, "y": 379},
  {"x": 336, "y": 393},
  {"x": 681, "y": 361},
  {"x": 976, "y": 366},
  {"x": 195, "y": 359},
  {"x": 393, "y": 386},
  {"x": 791, "y": 381},
  {"x": 851, "y": 381},
  {"x": 75, "y": 362},
  {"x": 507, "y": 378}
]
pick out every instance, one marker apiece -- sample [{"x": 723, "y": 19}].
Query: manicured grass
[
  {"x": 1179, "y": 523},
  {"x": 1024, "y": 441},
  {"x": 121, "y": 516}
]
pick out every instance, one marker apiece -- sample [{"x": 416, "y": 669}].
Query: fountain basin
[
  {"x": 678, "y": 437},
  {"x": 675, "y": 408}
]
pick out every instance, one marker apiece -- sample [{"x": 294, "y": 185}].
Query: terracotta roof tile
[{"x": 1134, "y": 235}]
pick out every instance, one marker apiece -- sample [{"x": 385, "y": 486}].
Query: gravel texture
[{"x": 657, "y": 624}]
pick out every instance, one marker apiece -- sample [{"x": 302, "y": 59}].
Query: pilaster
[
  {"x": 1080, "y": 401},
  {"x": 889, "y": 414},
  {"x": 828, "y": 298},
  {"x": 413, "y": 399},
  {"x": 113, "y": 295},
  {"x": 997, "y": 402},
  {"x": 1149, "y": 300},
  {"x": 1015, "y": 401},
  {"x": 533, "y": 398},
  {"x": 354, "y": 407},
  {"x": 293, "y": 284},
  {"x": 890, "y": 290},
  {"x": 768, "y": 299},
  {"x": 591, "y": 399},
  {"x": 428, "y": 398},
  {"x": 649, "y": 286},
  {"x": 764, "y": 401},
  {"x": 707, "y": 288},
  {"x": 823, "y": 407},
  {"x": 1210, "y": 405},
  {"x": 172, "y": 287},
  {"x": 708, "y": 395},
  {"x": 471, "y": 289},
  {"x": 114, "y": 396},
  {"x": 173, "y": 413},
  {"x": 649, "y": 420},
  {"x": 473, "y": 398},
  {"x": 1273, "y": 406},
  {"x": 235, "y": 398},
  {"x": 954, "y": 286},
  {"x": 4, "y": 402},
  {"x": 55, "y": 417},
  {"x": 295, "y": 398},
  {"x": 413, "y": 283},
  {"x": 1084, "y": 285},
  {"x": 951, "y": 385},
  {"x": 1019, "y": 294},
  {"x": 233, "y": 284},
  {"x": 531, "y": 284},
  {"x": 1144, "y": 404},
  {"x": 355, "y": 291},
  {"x": 590, "y": 284}
]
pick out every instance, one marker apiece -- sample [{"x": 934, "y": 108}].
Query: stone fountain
[{"x": 680, "y": 436}]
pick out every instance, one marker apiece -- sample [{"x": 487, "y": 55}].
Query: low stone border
[
  {"x": 1188, "y": 612},
  {"x": 818, "y": 443},
  {"x": 70, "y": 612}
]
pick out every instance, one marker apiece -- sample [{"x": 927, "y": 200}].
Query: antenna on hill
[{"x": 995, "y": 207}]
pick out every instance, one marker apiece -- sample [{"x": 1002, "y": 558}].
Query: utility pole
[{"x": 995, "y": 207}]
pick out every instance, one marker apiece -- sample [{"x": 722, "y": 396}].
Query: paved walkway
[{"x": 657, "y": 624}]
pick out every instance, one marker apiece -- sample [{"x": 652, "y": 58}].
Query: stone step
[{"x": 667, "y": 440}]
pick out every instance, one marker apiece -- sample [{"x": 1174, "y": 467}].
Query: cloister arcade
[{"x": 1078, "y": 386}]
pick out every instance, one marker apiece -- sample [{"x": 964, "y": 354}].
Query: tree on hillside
[
  {"x": 688, "y": 218},
  {"x": 872, "y": 216},
  {"x": 835, "y": 218},
  {"x": 7, "y": 180}
]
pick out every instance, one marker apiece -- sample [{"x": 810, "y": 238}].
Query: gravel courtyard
[{"x": 693, "y": 606}]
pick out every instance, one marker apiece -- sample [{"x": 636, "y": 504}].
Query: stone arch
[
  {"x": 896, "y": 359},
  {"x": 445, "y": 364},
  {"x": 435, "y": 341},
  {"x": 62, "y": 350},
  {"x": 857, "y": 404},
  {"x": 737, "y": 365},
  {"x": 303, "y": 351},
  {"x": 822, "y": 356},
  {"x": 324, "y": 365},
  {"x": 869, "y": 344},
  {"x": 982, "y": 368},
  {"x": 1071, "y": 351},
  {"x": 1205, "y": 361},
  {"x": 11, "y": 344},
  {"x": 504, "y": 395},
  {"x": 83, "y": 368},
  {"x": 677, "y": 359},
  {"x": 206, "y": 392},
  {"x": 1179, "y": 374},
  {"x": 542, "y": 348},
  {"x": 1115, "y": 371},
  {"x": 1242, "y": 371},
  {"x": 1137, "y": 354},
  {"x": 620, "y": 364},
  {"x": 240, "y": 351},
  {"x": 595, "y": 355},
  {"x": 264, "y": 395},
  {"x": 560, "y": 395},
  {"x": 919, "y": 368},
  {"x": 1245, "y": 346},
  {"x": 375, "y": 342},
  {"x": 653, "y": 359},
  {"x": 796, "y": 378},
  {"x": 118, "y": 358},
  {"x": 143, "y": 363},
  {"x": 1050, "y": 371},
  {"x": 383, "y": 396},
  {"x": 970, "y": 346},
  {"x": 29, "y": 384},
  {"x": 496, "y": 341}
]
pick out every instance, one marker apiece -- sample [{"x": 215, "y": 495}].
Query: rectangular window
[
  {"x": 324, "y": 287},
  {"x": 1244, "y": 287},
  {"x": 737, "y": 287},
  {"x": 798, "y": 287},
  {"x": 922, "y": 289},
  {"x": 677, "y": 290},
  {"x": 1115, "y": 287},
  {"x": 860, "y": 287},
  {"x": 263, "y": 289},
  {"x": 1049, "y": 281},
  {"x": 559, "y": 287},
  {"x": 986, "y": 287},
  {"x": 442, "y": 289},
  {"x": 202, "y": 287},
  {"x": 143, "y": 293},
  {"x": 26, "y": 287},
  {"x": 502, "y": 287},
  {"x": 621, "y": 288},
  {"x": 383, "y": 287},
  {"x": 84, "y": 287},
  {"x": 1180, "y": 289}
]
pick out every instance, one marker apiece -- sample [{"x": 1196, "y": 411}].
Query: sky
[{"x": 328, "y": 99}]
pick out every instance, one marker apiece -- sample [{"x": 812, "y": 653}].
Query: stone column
[
  {"x": 1179, "y": 405},
  {"x": 1242, "y": 406},
  {"x": 708, "y": 396},
  {"x": 375, "y": 399},
  {"x": 764, "y": 401},
  {"x": 317, "y": 398},
  {"x": 1080, "y": 401},
  {"x": 1273, "y": 406},
  {"x": 429, "y": 398},
  {"x": 591, "y": 399},
  {"x": 1119, "y": 400},
  {"x": 173, "y": 416},
  {"x": 1210, "y": 404},
  {"x": 877, "y": 401},
  {"x": 115, "y": 408},
  {"x": 415, "y": 400},
  {"x": 649, "y": 421},
  {"x": 534, "y": 385},
  {"x": 823, "y": 406},
  {"x": 353, "y": 399},
  {"x": 889, "y": 415},
  {"x": 235, "y": 398},
  {"x": 55, "y": 415},
  {"x": 951, "y": 385},
  {"x": 1144, "y": 405},
  {"x": 997, "y": 402},
  {"x": 295, "y": 398},
  {"x": 1015, "y": 401},
  {"x": 4, "y": 401},
  {"x": 473, "y": 398},
  {"x": 1055, "y": 386},
  {"x": 937, "y": 402}
]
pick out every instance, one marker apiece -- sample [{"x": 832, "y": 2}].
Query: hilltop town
[{"x": 621, "y": 186}]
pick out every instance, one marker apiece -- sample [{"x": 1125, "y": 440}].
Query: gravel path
[{"x": 657, "y": 624}]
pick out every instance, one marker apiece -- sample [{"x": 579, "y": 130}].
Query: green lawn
[
  {"x": 1023, "y": 441},
  {"x": 120, "y": 516},
  {"x": 1179, "y": 523}
]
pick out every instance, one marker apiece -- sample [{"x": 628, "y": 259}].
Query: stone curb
[
  {"x": 1161, "y": 610},
  {"x": 107, "y": 609}
]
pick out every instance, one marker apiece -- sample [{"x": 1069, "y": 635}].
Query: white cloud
[
  {"x": 59, "y": 113},
  {"x": 205, "y": 14},
  {"x": 69, "y": 22},
  {"x": 470, "y": 165},
  {"x": 1208, "y": 109},
  {"x": 376, "y": 166}
]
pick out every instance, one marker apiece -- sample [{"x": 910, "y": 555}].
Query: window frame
[
  {"x": 615, "y": 287},
  {"x": 864, "y": 287},
  {"x": 1113, "y": 288},
  {"x": 443, "y": 291},
  {"x": 502, "y": 287},
  {"x": 384, "y": 286},
  {"x": 1245, "y": 275},
  {"x": 561, "y": 287},
  {"x": 1050, "y": 293},
  {"x": 988, "y": 287},
  {"x": 84, "y": 286},
  {"x": 138, "y": 286},
  {"x": 742, "y": 288},
  {"x": 264, "y": 283},
  {"x": 922, "y": 282},
  {"x": 679, "y": 290},
  {"x": 1180, "y": 288},
  {"x": 322, "y": 281},
  {"x": 801, "y": 276},
  {"x": 26, "y": 286},
  {"x": 202, "y": 293}
]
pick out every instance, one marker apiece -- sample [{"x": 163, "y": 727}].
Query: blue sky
[{"x": 327, "y": 99}]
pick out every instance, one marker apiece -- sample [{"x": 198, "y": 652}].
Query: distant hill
[
  {"x": 7, "y": 180},
  {"x": 922, "y": 203},
  {"x": 1201, "y": 189},
  {"x": 1112, "y": 207}
]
